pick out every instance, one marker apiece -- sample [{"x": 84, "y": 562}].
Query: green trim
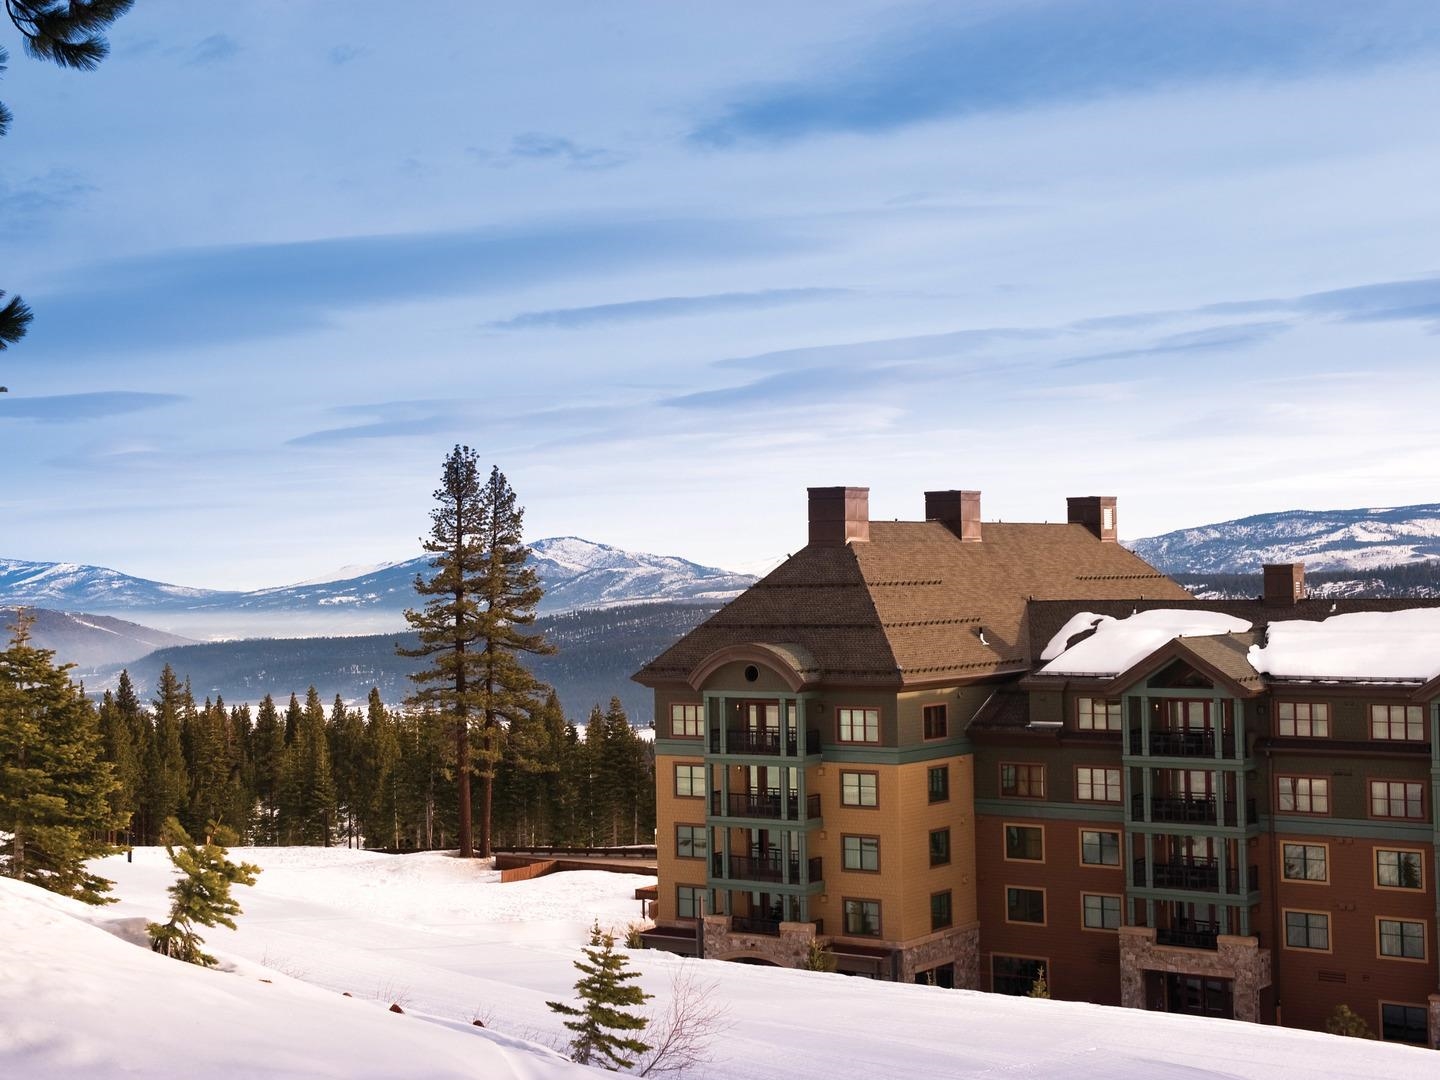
[
  {"x": 1034, "y": 808},
  {"x": 1192, "y": 828},
  {"x": 892, "y": 755},
  {"x": 1367, "y": 828},
  {"x": 679, "y": 747},
  {"x": 813, "y": 888},
  {"x": 1192, "y": 764}
]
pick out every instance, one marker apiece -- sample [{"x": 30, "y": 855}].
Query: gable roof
[{"x": 909, "y": 606}]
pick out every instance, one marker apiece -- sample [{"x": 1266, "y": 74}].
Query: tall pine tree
[{"x": 480, "y": 598}]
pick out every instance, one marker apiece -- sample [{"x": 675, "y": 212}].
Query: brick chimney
[
  {"x": 958, "y": 511},
  {"x": 839, "y": 514},
  {"x": 1284, "y": 584},
  {"x": 1096, "y": 513}
]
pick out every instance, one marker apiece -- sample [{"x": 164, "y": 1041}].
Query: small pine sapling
[
  {"x": 1345, "y": 1021},
  {"x": 1039, "y": 988},
  {"x": 201, "y": 896},
  {"x": 604, "y": 1032},
  {"x": 818, "y": 957}
]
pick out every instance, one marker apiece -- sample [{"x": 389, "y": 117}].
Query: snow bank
[
  {"x": 1359, "y": 645},
  {"x": 1119, "y": 644}
]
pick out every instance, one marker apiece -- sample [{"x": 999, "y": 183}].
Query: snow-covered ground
[{"x": 449, "y": 943}]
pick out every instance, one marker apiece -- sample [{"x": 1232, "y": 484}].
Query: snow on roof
[
  {"x": 1360, "y": 645},
  {"x": 1119, "y": 644}
]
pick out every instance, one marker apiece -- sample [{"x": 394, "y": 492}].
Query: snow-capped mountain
[
  {"x": 1324, "y": 540},
  {"x": 576, "y": 574}
]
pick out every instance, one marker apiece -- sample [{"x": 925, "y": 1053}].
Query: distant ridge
[
  {"x": 90, "y": 640},
  {"x": 576, "y": 573}
]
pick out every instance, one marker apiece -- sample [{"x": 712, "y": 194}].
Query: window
[
  {"x": 1101, "y": 912},
  {"x": 1396, "y": 799},
  {"x": 1023, "y": 781},
  {"x": 862, "y": 918},
  {"x": 1404, "y": 1023},
  {"x": 1307, "y": 930},
  {"x": 860, "y": 852},
  {"x": 1305, "y": 862},
  {"x": 939, "y": 847},
  {"x": 937, "y": 722},
  {"x": 1099, "y": 848},
  {"x": 1025, "y": 905},
  {"x": 859, "y": 788},
  {"x": 940, "y": 916},
  {"x": 690, "y": 781},
  {"x": 1402, "y": 939},
  {"x": 1303, "y": 719},
  {"x": 1399, "y": 869},
  {"x": 1304, "y": 795},
  {"x": 1014, "y": 975},
  {"x": 1097, "y": 785},
  {"x": 689, "y": 901},
  {"x": 1404, "y": 722},
  {"x": 1025, "y": 843},
  {"x": 859, "y": 725},
  {"x": 691, "y": 841},
  {"x": 937, "y": 780},
  {"x": 1097, "y": 714},
  {"x": 687, "y": 721}
]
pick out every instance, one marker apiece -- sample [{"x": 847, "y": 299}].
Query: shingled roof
[{"x": 910, "y": 605}]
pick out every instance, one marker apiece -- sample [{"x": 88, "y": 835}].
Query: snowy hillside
[
  {"x": 450, "y": 943},
  {"x": 1324, "y": 540},
  {"x": 576, "y": 574},
  {"x": 90, "y": 640}
]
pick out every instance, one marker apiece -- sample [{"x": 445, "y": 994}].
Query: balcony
[
  {"x": 770, "y": 868},
  {"x": 764, "y": 742},
  {"x": 1181, "y": 744},
  {"x": 770, "y": 805},
  {"x": 741, "y": 924},
  {"x": 1190, "y": 875},
  {"x": 1189, "y": 934},
  {"x": 1191, "y": 810}
]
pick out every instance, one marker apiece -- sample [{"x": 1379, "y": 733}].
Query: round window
[{"x": 752, "y": 673}]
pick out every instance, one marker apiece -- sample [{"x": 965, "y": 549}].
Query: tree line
[{"x": 378, "y": 777}]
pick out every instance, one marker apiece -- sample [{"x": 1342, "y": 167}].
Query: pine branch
[{"x": 15, "y": 319}]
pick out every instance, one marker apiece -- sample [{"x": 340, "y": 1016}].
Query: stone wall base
[
  {"x": 959, "y": 946},
  {"x": 788, "y": 949},
  {"x": 1239, "y": 959},
  {"x": 1435, "y": 1021}
]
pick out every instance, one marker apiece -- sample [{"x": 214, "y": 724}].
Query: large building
[{"x": 966, "y": 754}]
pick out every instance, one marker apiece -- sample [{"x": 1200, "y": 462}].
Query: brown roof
[{"x": 909, "y": 605}]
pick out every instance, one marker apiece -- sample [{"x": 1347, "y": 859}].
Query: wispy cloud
[
  {"x": 1212, "y": 338},
  {"x": 214, "y": 49},
  {"x": 71, "y": 408},
  {"x": 664, "y": 307},
  {"x": 1041, "y": 53},
  {"x": 888, "y": 350},
  {"x": 250, "y": 292},
  {"x": 389, "y": 420},
  {"x": 533, "y": 146},
  {"x": 27, "y": 206},
  {"x": 343, "y": 54}
]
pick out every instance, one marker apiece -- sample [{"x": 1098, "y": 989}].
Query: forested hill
[
  {"x": 598, "y": 652},
  {"x": 1412, "y": 580}
]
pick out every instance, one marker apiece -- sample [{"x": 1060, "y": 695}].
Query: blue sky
[{"x": 668, "y": 264}]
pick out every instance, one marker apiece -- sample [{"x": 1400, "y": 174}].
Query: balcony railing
[
  {"x": 764, "y": 741},
  {"x": 1184, "y": 744},
  {"x": 757, "y": 868},
  {"x": 1189, "y": 934},
  {"x": 768, "y": 804},
  {"x": 1192, "y": 875},
  {"x": 1191, "y": 810}
]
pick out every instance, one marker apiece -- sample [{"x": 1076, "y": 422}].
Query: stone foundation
[
  {"x": 1435, "y": 1021},
  {"x": 1239, "y": 959},
  {"x": 960, "y": 946},
  {"x": 789, "y": 949}
]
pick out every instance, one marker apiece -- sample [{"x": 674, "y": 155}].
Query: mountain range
[{"x": 575, "y": 573}]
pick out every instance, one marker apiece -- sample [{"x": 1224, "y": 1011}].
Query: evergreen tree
[
  {"x": 481, "y": 596},
  {"x": 67, "y": 33},
  {"x": 268, "y": 755},
  {"x": 54, "y": 787},
  {"x": 347, "y": 760},
  {"x": 122, "y": 727},
  {"x": 307, "y": 785},
  {"x": 380, "y": 777},
  {"x": 201, "y": 895},
  {"x": 604, "y": 1031},
  {"x": 166, "y": 782}
]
